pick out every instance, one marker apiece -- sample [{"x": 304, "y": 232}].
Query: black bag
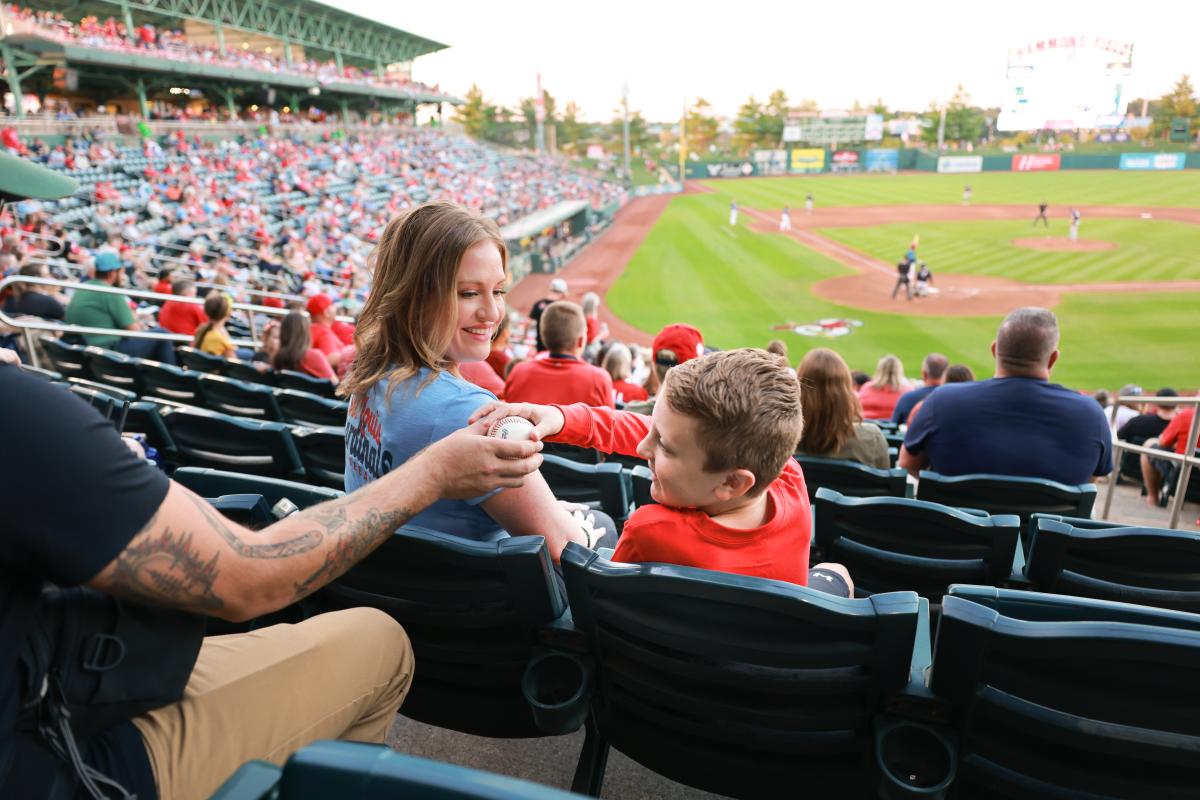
[{"x": 92, "y": 661}]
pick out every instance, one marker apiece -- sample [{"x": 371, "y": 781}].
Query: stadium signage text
[
  {"x": 808, "y": 159},
  {"x": 1037, "y": 162},
  {"x": 1098, "y": 42},
  {"x": 845, "y": 157},
  {"x": 730, "y": 170},
  {"x": 1153, "y": 160},
  {"x": 883, "y": 160},
  {"x": 960, "y": 164}
]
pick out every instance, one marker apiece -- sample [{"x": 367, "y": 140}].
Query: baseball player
[
  {"x": 1042, "y": 206},
  {"x": 733, "y": 209},
  {"x": 1073, "y": 235},
  {"x": 785, "y": 220},
  {"x": 902, "y": 270},
  {"x": 924, "y": 278},
  {"x": 967, "y": 195},
  {"x": 808, "y": 203}
]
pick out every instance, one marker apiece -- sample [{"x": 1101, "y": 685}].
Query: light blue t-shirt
[{"x": 381, "y": 436}]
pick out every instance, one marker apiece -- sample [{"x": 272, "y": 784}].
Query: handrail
[
  {"x": 208, "y": 252},
  {"x": 1187, "y": 459},
  {"x": 191, "y": 266},
  {"x": 62, "y": 246}
]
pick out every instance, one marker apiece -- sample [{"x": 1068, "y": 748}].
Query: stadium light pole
[
  {"x": 942, "y": 130},
  {"x": 625, "y": 113}
]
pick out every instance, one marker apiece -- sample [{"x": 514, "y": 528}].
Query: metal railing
[
  {"x": 40, "y": 241},
  {"x": 1186, "y": 460}
]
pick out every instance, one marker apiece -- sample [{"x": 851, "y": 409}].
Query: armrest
[
  {"x": 1017, "y": 579},
  {"x": 254, "y": 780},
  {"x": 916, "y": 701}
]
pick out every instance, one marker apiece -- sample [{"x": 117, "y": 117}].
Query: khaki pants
[{"x": 266, "y": 694}]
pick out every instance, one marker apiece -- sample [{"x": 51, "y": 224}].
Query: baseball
[{"x": 515, "y": 428}]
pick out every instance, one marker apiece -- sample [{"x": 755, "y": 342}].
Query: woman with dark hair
[
  {"x": 436, "y": 302},
  {"x": 33, "y": 299},
  {"x": 833, "y": 422},
  {"x": 296, "y": 352}
]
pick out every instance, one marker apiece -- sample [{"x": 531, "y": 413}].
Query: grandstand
[{"x": 1007, "y": 637}]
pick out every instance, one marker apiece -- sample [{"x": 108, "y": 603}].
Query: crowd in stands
[{"x": 111, "y": 34}]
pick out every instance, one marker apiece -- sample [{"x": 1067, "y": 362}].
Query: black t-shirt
[
  {"x": 1141, "y": 428},
  {"x": 902, "y": 269},
  {"x": 36, "y": 305},
  {"x": 535, "y": 314},
  {"x": 73, "y": 496}
]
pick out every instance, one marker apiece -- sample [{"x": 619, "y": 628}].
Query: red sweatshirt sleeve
[{"x": 605, "y": 429}]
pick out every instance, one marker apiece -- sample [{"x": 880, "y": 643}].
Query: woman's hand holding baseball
[{"x": 547, "y": 420}]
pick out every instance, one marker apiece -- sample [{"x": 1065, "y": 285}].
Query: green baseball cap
[{"x": 20, "y": 179}]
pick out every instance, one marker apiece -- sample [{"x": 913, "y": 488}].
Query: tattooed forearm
[
  {"x": 295, "y": 546},
  {"x": 166, "y": 568},
  {"x": 354, "y": 540}
]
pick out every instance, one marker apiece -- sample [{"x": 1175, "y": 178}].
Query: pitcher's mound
[{"x": 1058, "y": 243}]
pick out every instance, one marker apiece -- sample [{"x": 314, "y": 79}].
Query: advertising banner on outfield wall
[
  {"x": 1153, "y": 160},
  {"x": 720, "y": 169},
  {"x": 1036, "y": 162},
  {"x": 960, "y": 164},
  {"x": 884, "y": 160},
  {"x": 808, "y": 159}
]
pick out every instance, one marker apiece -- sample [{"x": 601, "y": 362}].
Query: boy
[{"x": 719, "y": 445}]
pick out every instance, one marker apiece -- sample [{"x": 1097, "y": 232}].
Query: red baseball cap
[
  {"x": 318, "y": 303},
  {"x": 682, "y": 340}
]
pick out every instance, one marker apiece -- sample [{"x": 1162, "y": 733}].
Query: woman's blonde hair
[
  {"x": 618, "y": 362},
  {"x": 829, "y": 400},
  {"x": 408, "y": 320},
  {"x": 889, "y": 374}
]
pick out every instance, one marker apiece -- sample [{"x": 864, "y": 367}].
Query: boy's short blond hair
[
  {"x": 747, "y": 407},
  {"x": 561, "y": 325}
]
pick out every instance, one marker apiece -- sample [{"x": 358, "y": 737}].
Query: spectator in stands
[
  {"x": 482, "y": 375},
  {"x": 264, "y": 356},
  {"x": 1017, "y": 423},
  {"x": 597, "y": 331},
  {"x": 1123, "y": 413},
  {"x": 182, "y": 318},
  {"x": 30, "y": 299},
  {"x": 677, "y": 343},
  {"x": 728, "y": 494},
  {"x": 447, "y": 267},
  {"x": 211, "y": 337},
  {"x": 879, "y": 395},
  {"x": 165, "y": 281},
  {"x": 833, "y": 423},
  {"x": 617, "y": 363},
  {"x": 1159, "y": 473},
  {"x": 106, "y": 310},
  {"x": 1151, "y": 422},
  {"x": 322, "y": 315},
  {"x": 933, "y": 375},
  {"x": 296, "y": 352},
  {"x": 955, "y": 373},
  {"x": 778, "y": 347},
  {"x": 860, "y": 379},
  {"x": 501, "y": 355},
  {"x": 558, "y": 291},
  {"x": 563, "y": 376}
]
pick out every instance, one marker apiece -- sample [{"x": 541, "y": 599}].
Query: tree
[
  {"x": 639, "y": 137},
  {"x": 808, "y": 106},
  {"x": 748, "y": 127},
  {"x": 474, "y": 115},
  {"x": 775, "y": 116},
  {"x": 964, "y": 122},
  {"x": 880, "y": 108},
  {"x": 702, "y": 127},
  {"x": 1179, "y": 102},
  {"x": 570, "y": 129},
  {"x": 529, "y": 111}
]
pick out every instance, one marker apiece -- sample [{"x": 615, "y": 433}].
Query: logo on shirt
[{"x": 364, "y": 450}]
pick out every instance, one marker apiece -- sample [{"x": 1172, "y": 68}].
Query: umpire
[{"x": 902, "y": 270}]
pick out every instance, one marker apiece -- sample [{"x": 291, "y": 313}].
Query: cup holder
[
  {"x": 555, "y": 686},
  {"x": 917, "y": 761}
]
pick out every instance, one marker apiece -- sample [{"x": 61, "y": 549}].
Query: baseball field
[{"x": 1127, "y": 293}]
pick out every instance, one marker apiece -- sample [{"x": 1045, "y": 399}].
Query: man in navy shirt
[
  {"x": 1017, "y": 423},
  {"x": 933, "y": 374}
]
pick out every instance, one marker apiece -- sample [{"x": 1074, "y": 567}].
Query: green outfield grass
[
  {"x": 1147, "y": 250},
  {"x": 735, "y": 284},
  {"x": 1109, "y": 188}
]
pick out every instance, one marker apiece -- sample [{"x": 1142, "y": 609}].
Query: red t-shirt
[
  {"x": 163, "y": 287},
  {"x": 344, "y": 331},
  {"x": 778, "y": 549},
  {"x": 593, "y": 329},
  {"x": 498, "y": 359},
  {"x": 316, "y": 364},
  {"x": 629, "y": 392},
  {"x": 558, "y": 379},
  {"x": 877, "y": 403},
  {"x": 325, "y": 340},
  {"x": 181, "y": 317},
  {"x": 1175, "y": 434},
  {"x": 483, "y": 376}
]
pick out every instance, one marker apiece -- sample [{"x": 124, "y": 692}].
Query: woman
[
  {"x": 437, "y": 302},
  {"x": 878, "y": 396},
  {"x": 211, "y": 336},
  {"x": 833, "y": 423},
  {"x": 296, "y": 351},
  {"x": 596, "y": 330},
  {"x": 618, "y": 363},
  {"x": 35, "y": 300}
]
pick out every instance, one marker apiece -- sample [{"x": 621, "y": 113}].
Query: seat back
[
  {"x": 200, "y": 361},
  {"x": 145, "y": 418},
  {"x": 112, "y": 368},
  {"x": 169, "y": 382},
  {"x": 289, "y": 379},
  {"x": 111, "y": 407},
  {"x": 1149, "y": 566},
  {"x": 1057, "y": 697},
  {"x": 737, "y": 685},
  {"x": 211, "y": 439},
  {"x": 605, "y": 484},
  {"x": 48, "y": 374},
  {"x": 217, "y": 483},
  {"x": 323, "y": 453},
  {"x": 239, "y": 399},
  {"x": 851, "y": 478},
  {"x": 245, "y": 371},
  {"x": 569, "y": 452},
  {"x": 891, "y": 543},
  {"x": 641, "y": 479},
  {"x": 66, "y": 358},
  {"x": 473, "y": 612},
  {"x": 305, "y": 408}
]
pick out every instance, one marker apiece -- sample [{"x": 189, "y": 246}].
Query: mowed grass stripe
[{"x": 1059, "y": 189}]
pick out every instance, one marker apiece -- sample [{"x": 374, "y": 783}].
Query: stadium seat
[
  {"x": 66, "y": 358},
  {"x": 894, "y": 544},
  {"x": 110, "y": 407},
  {"x": 736, "y": 685},
  {"x": 1087, "y": 523},
  {"x": 1006, "y": 494},
  {"x": 210, "y": 439},
  {"x": 111, "y": 368},
  {"x": 111, "y": 391},
  {"x": 145, "y": 417},
  {"x": 603, "y": 486},
  {"x": 323, "y": 453},
  {"x": 197, "y": 360},
  {"x": 569, "y": 452},
  {"x": 216, "y": 483},
  {"x": 245, "y": 371},
  {"x": 304, "y": 408},
  {"x": 885, "y": 425},
  {"x": 301, "y": 382},
  {"x": 358, "y": 771},
  {"x": 240, "y": 399},
  {"x": 48, "y": 374},
  {"x": 474, "y": 612},
  {"x": 1150, "y": 566},
  {"x": 641, "y": 479},
  {"x": 851, "y": 478},
  {"x": 1062, "y": 697},
  {"x": 169, "y": 382}
]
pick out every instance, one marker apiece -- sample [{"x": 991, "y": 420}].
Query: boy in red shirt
[
  {"x": 719, "y": 444},
  {"x": 562, "y": 376}
]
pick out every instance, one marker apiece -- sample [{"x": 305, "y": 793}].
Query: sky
[{"x": 907, "y": 53}]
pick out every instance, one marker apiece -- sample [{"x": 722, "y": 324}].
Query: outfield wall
[{"x": 817, "y": 160}]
